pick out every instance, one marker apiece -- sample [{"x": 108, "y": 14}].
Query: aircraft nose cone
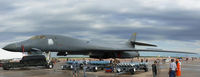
[{"x": 10, "y": 47}]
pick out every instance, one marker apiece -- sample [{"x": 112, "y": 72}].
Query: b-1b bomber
[{"x": 67, "y": 45}]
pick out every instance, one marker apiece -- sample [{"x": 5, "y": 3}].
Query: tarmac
[{"x": 189, "y": 69}]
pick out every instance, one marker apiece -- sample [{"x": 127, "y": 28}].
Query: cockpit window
[{"x": 38, "y": 37}]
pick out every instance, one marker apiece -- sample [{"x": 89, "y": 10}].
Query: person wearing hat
[{"x": 178, "y": 70}]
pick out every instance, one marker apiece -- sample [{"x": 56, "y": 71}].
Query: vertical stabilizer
[
  {"x": 132, "y": 42},
  {"x": 133, "y": 37}
]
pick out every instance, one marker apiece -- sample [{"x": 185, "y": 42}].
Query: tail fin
[
  {"x": 133, "y": 37},
  {"x": 132, "y": 42}
]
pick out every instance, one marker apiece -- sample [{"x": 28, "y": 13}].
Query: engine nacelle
[
  {"x": 99, "y": 56},
  {"x": 125, "y": 54},
  {"x": 128, "y": 54},
  {"x": 62, "y": 54}
]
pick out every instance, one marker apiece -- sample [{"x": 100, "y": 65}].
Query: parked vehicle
[{"x": 29, "y": 61}]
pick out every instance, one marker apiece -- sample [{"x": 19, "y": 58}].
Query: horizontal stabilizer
[
  {"x": 144, "y": 44},
  {"x": 132, "y": 42},
  {"x": 160, "y": 50}
]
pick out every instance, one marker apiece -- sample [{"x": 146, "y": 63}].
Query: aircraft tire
[
  {"x": 94, "y": 70},
  {"x": 50, "y": 66},
  {"x": 132, "y": 71}
]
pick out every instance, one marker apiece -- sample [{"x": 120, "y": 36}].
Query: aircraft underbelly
[
  {"x": 79, "y": 52},
  {"x": 124, "y": 54}
]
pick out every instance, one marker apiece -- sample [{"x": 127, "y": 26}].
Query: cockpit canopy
[{"x": 38, "y": 37}]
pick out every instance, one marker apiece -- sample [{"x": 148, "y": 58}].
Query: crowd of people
[{"x": 174, "y": 68}]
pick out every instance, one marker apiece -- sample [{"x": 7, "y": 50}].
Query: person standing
[
  {"x": 147, "y": 60},
  {"x": 172, "y": 69},
  {"x": 142, "y": 61},
  {"x": 111, "y": 64},
  {"x": 75, "y": 68},
  {"x": 158, "y": 66},
  {"x": 84, "y": 68},
  {"x": 178, "y": 71},
  {"x": 154, "y": 69}
]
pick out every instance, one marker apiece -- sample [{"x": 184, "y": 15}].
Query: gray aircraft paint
[{"x": 58, "y": 43}]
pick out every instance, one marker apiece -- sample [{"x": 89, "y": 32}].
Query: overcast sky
[{"x": 171, "y": 24}]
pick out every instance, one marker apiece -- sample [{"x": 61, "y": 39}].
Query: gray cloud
[{"x": 152, "y": 20}]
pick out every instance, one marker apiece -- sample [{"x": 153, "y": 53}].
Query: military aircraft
[{"x": 67, "y": 45}]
